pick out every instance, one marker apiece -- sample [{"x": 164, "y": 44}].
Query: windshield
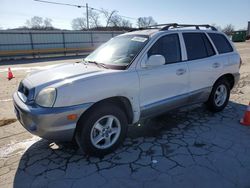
[{"x": 119, "y": 51}]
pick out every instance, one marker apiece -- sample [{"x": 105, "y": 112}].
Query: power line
[
  {"x": 82, "y": 6},
  {"x": 72, "y": 5},
  {"x": 57, "y": 3}
]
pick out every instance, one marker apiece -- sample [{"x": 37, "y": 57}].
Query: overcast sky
[{"x": 14, "y": 13}]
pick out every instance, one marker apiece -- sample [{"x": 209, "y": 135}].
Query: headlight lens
[{"x": 46, "y": 97}]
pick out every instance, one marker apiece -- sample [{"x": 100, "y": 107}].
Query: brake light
[{"x": 240, "y": 63}]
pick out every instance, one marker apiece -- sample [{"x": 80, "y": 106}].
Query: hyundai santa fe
[{"x": 133, "y": 76}]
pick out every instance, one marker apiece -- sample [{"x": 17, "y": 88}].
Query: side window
[
  {"x": 197, "y": 46},
  {"x": 169, "y": 47},
  {"x": 221, "y": 43},
  {"x": 208, "y": 45}
]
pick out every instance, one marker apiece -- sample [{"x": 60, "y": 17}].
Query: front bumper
[{"x": 48, "y": 123}]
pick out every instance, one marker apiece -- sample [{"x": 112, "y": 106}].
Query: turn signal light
[{"x": 72, "y": 117}]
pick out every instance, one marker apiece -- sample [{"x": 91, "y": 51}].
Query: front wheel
[
  {"x": 219, "y": 96},
  {"x": 102, "y": 130}
]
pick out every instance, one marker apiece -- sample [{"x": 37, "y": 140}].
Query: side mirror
[{"x": 155, "y": 60}]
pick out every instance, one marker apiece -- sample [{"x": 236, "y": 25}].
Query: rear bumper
[{"x": 48, "y": 123}]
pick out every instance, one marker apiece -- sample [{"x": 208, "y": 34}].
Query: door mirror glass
[{"x": 155, "y": 60}]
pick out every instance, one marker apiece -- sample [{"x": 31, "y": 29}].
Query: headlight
[{"x": 46, "y": 97}]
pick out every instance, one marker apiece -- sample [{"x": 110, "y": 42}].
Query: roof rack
[
  {"x": 176, "y": 25},
  {"x": 155, "y": 26}
]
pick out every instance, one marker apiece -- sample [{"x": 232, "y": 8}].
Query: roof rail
[
  {"x": 176, "y": 25},
  {"x": 155, "y": 26},
  {"x": 167, "y": 27}
]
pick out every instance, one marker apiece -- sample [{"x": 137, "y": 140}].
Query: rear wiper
[{"x": 98, "y": 64}]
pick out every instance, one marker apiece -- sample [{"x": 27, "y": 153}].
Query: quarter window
[
  {"x": 167, "y": 46},
  {"x": 197, "y": 46},
  {"x": 221, "y": 43},
  {"x": 208, "y": 45}
]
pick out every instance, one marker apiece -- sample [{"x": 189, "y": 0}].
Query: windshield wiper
[{"x": 98, "y": 64}]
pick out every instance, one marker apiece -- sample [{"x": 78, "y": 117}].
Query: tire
[
  {"x": 214, "y": 105},
  {"x": 93, "y": 138}
]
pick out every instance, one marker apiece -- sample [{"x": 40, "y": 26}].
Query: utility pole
[{"x": 87, "y": 15}]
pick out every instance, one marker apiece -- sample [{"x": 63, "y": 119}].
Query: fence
[{"x": 16, "y": 44}]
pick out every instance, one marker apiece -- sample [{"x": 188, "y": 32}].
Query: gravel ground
[{"x": 184, "y": 148}]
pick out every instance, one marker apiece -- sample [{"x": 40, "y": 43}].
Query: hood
[{"x": 61, "y": 73}]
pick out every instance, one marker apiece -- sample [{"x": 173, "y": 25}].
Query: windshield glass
[{"x": 118, "y": 51}]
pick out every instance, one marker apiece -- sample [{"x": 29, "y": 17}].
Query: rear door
[
  {"x": 227, "y": 54},
  {"x": 203, "y": 64}
]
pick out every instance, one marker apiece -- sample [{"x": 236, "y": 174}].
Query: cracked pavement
[{"x": 189, "y": 147}]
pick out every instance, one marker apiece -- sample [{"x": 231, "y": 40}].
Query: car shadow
[{"x": 47, "y": 164}]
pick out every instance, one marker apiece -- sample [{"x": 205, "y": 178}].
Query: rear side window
[
  {"x": 208, "y": 45},
  {"x": 167, "y": 46},
  {"x": 221, "y": 43},
  {"x": 197, "y": 46}
]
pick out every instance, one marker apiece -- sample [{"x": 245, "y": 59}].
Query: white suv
[{"x": 133, "y": 76}]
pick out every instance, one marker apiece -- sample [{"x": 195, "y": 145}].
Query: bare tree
[
  {"x": 79, "y": 24},
  {"x": 109, "y": 17},
  {"x": 94, "y": 18},
  {"x": 229, "y": 29},
  {"x": 118, "y": 21},
  {"x": 112, "y": 19},
  {"x": 115, "y": 21},
  {"x": 145, "y": 21},
  {"x": 35, "y": 22},
  {"x": 126, "y": 23},
  {"x": 47, "y": 23}
]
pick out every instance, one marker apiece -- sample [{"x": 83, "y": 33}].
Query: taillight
[{"x": 240, "y": 62}]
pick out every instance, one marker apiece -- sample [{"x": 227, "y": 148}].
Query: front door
[{"x": 164, "y": 87}]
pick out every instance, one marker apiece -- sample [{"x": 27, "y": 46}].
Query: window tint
[
  {"x": 197, "y": 46},
  {"x": 208, "y": 45},
  {"x": 169, "y": 47},
  {"x": 221, "y": 43}
]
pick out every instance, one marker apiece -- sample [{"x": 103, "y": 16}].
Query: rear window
[
  {"x": 197, "y": 46},
  {"x": 221, "y": 43}
]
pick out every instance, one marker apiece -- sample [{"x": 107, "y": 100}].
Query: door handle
[
  {"x": 216, "y": 65},
  {"x": 180, "y": 72}
]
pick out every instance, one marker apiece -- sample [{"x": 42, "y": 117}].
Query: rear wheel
[
  {"x": 219, "y": 96},
  {"x": 102, "y": 130}
]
